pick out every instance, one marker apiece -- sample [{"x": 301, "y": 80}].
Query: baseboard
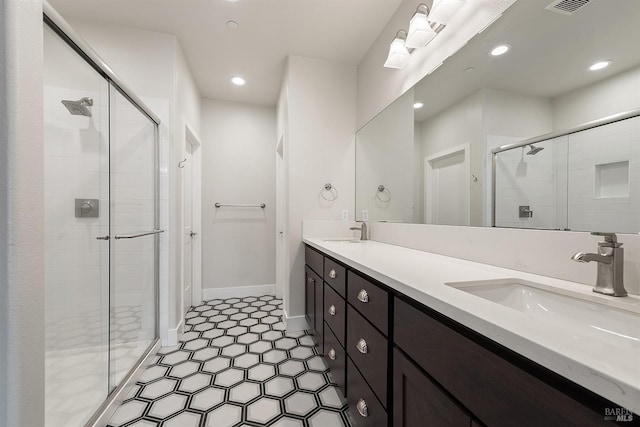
[
  {"x": 173, "y": 335},
  {"x": 238, "y": 292},
  {"x": 295, "y": 323}
]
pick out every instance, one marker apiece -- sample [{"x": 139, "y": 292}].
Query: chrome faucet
[
  {"x": 610, "y": 259},
  {"x": 364, "y": 235}
]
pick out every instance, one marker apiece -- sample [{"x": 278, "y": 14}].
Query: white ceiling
[
  {"x": 332, "y": 30},
  {"x": 549, "y": 57}
]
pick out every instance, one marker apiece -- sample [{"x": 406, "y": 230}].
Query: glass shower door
[
  {"x": 133, "y": 231},
  {"x": 76, "y": 162}
]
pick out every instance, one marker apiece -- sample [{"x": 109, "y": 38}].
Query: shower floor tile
[{"x": 236, "y": 366}]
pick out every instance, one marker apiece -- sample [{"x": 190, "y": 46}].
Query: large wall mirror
[{"x": 430, "y": 156}]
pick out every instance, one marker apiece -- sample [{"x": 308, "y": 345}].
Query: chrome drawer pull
[
  {"x": 332, "y": 310},
  {"x": 362, "y": 408},
  {"x": 332, "y": 354},
  {"x": 311, "y": 280},
  {"x": 332, "y": 274},
  {"x": 362, "y": 346},
  {"x": 363, "y": 296}
]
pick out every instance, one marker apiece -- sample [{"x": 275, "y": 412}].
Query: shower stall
[{"x": 101, "y": 229}]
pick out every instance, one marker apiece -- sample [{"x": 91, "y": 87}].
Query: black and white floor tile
[{"x": 235, "y": 367}]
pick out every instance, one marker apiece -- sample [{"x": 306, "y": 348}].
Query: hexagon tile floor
[{"x": 235, "y": 367}]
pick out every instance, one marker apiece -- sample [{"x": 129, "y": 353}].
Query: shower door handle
[
  {"x": 133, "y": 236},
  {"x": 103, "y": 237}
]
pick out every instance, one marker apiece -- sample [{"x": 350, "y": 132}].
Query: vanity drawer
[
  {"x": 375, "y": 415},
  {"x": 335, "y": 275},
  {"x": 368, "y": 349},
  {"x": 335, "y": 314},
  {"x": 336, "y": 358},
  {"x": 370, "y": 300},
  {"x": 314, "y": 259},
  {"x": 492, "y": 388}
]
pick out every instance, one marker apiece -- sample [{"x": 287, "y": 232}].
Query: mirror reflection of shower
[
  {"x": 79, "y": 107},
  {"x": 533, "y": 150}
]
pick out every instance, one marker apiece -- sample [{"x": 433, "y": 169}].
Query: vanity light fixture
[
  {"x": 398, "y": 54},
  {"x": 418, "y": 105},
  {"x": 500, "y": 50},
  {"x": 420, "y": 32},
  {"x": 425, "y": 24},
  {"x": 238, "y": 81},
  {"x": 600, "y": 65},
  {"x": 443, "y": 10}
]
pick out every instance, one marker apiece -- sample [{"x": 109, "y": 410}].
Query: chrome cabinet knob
[
  {"x": 332, "y": 310},
  {"x": 332, "y": 274},
  {"x": 311, "y": 280},
  {"x": 362, "y": 346},
  {"x": 332, "y": 354},
  {"x": 363, "y": 296},
  {"x": 361, "y": 406}
]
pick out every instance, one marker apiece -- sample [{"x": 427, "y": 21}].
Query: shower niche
[{"x": 101, "y": 229}]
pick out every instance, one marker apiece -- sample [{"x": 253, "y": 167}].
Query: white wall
[
  {"x": 238, "y": 162},
  {"x": 21, "y": 215},
  {"x": 152, "y": 65},
  {"x": 619, "y": 93},
  {"x": 379, "y": 86},
  {"x": 318, "y": 130}
]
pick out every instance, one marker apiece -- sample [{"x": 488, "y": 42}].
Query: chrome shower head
[
  {"x": 79, "y": 107},
  {"x": 533, "y": 150}
]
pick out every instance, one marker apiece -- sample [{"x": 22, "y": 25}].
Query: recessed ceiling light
[
  {"x": 418, "y": 105},
  {"x": 500, "y": 50},
  {"x": 233, "y": 25},
  {"x": 238, "y": 81},
  {"x": 600, "y": 65}
]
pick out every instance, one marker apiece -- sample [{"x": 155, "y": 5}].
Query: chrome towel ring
[
  {"x": 329, "y": 192},
  {"x": 383, "y": 194}
]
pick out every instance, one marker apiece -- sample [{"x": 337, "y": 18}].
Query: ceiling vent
[{"x": 567, "y": 7}]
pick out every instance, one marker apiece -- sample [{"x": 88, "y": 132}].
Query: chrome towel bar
[{"x": 236, "y": 205}]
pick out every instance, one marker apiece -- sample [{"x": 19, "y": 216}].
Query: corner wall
[
  {"x": 21, "y": 225},
  {"x": 318, "y": 132}
]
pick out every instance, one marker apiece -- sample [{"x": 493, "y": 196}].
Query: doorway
[
  {"x": 447, "y": 187},
  {"x": 191, "y": 222}
]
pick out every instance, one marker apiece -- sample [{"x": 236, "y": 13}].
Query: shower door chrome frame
[
  {"x": 551, "y": 135},
  {"x": 58, "y": 24}
]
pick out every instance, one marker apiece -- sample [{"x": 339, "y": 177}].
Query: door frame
[
  {"x": 429, "y": 177},
  {"x": 193, "y": 141}
]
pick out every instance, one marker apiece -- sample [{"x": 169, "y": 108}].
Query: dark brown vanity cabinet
[{"x": 406, "y": 365}]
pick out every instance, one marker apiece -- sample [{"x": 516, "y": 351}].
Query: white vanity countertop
[{"x": 613, "y": 373}]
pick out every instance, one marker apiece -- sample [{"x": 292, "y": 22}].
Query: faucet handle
[{"x": 610, "y": 239}]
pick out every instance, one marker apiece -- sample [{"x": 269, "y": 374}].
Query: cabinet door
[
  {"x": 417, "y": 402},
  {"x": 319, "y": 314},
  {"x": 309, "y": 298}
]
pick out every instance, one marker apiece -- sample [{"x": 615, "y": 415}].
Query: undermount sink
[
  {"x": 344, "y": 240},
  {"x": 602, "y": 318}
]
